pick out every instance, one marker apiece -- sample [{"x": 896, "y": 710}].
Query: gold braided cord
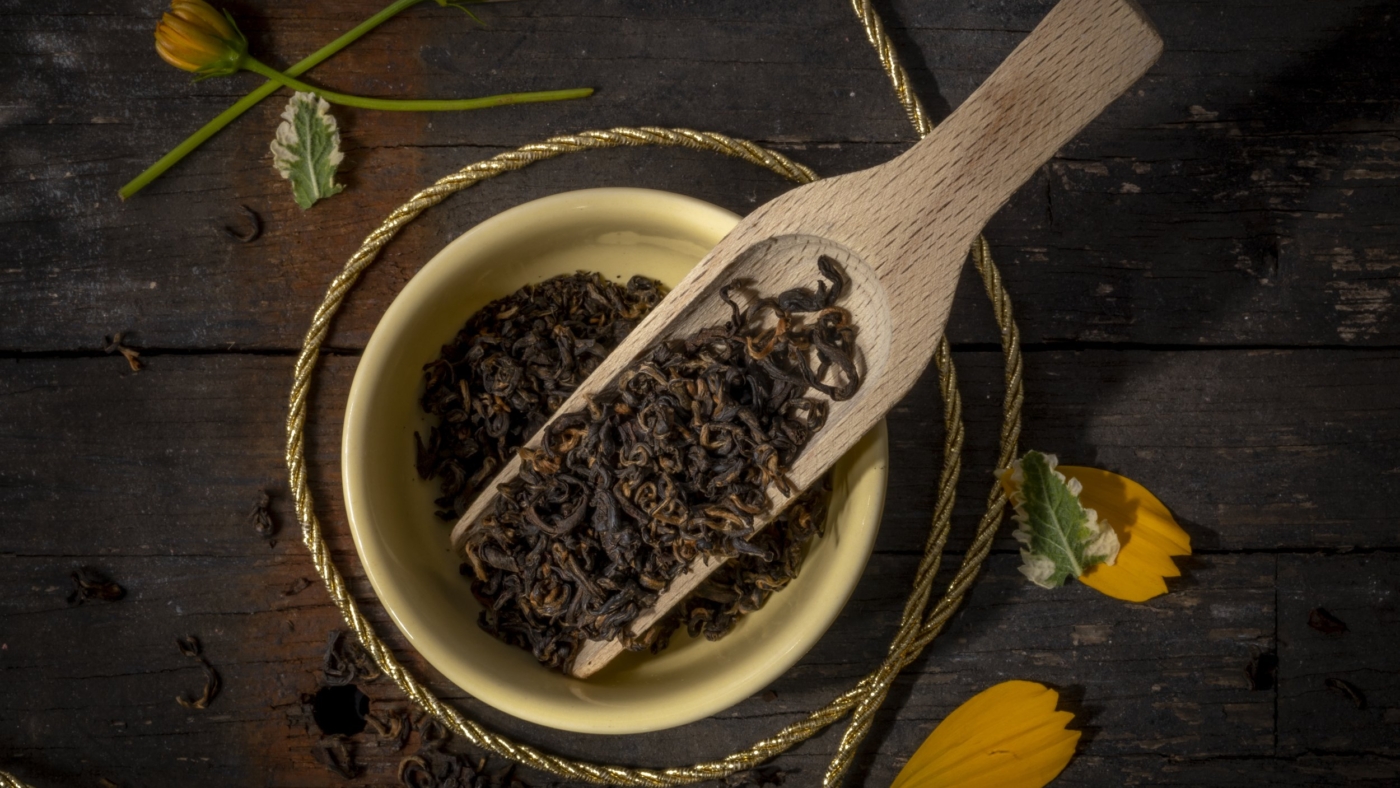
[
  {"x": 8, "y": 780},
  {"x": 889, "y": 60},
  {"x": 913, "y": 635}
]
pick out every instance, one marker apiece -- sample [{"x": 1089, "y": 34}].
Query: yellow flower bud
[{"x": 197, "y": 38}]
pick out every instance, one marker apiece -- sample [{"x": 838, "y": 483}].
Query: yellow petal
[
  {"x": 1007, "y": 736},
  {"x": 166, "y": 50},
  {"x": 1147, "y": 533},
  {"x": 191, "y": 36},
  {"x": 1042, "y": 761},
  {"x": 203, "y": 14}
]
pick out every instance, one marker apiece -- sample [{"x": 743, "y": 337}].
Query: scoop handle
[{"x": 1082, "y": 56}]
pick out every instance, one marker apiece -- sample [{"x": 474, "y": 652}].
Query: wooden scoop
[{"x": 900, "y": 230}]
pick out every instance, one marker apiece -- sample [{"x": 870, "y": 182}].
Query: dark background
[{"x": 1206, "y": 280}]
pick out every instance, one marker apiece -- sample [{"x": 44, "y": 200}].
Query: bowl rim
[{"x": 375, "y": 557}]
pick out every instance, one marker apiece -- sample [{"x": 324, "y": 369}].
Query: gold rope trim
[
  {"x": 913, "y": 637},
  {"x": 915, "y": 631},
  {"x": 899, "y": 78}
]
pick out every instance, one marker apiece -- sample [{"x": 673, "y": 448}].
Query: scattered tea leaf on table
[
  {"x": 91, "y": 585},
  {"x": 1347, "y": 690},
  {"x": 296, "y": 586},
  {"x": 191, "y": 647},
  {"x": 346, "y": 661},
  {"x": 393, "y": 725},
  {"x": 669, "y": 464},
  {"x": 113, "y": 344},
  {"x": 1326, "y": 623},
  {"x": 254, "y": 230},
  {"x": 337, "y": 754},
  {"x": 261, "y": 516}
]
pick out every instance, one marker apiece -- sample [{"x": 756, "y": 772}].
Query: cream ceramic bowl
[{"x": 404, "y": 548}]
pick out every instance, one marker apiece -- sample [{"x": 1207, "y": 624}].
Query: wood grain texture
[
  {"x": 1363, "y": 591},
  {"x": 1253, "y": 450},
  {"x": 1168, "y": 269},
  {"x": 153, "y": 484}
]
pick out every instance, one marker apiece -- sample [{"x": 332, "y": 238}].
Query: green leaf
[
  {"x": 1059, "y": 537},
  {"x": 307, "y": 149}
]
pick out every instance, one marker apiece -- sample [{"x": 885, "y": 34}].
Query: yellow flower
[
  {"x": 1147, "y": 532},
  {"x": 197, "y": 38},
  {"x": 1008, "y": 736}
]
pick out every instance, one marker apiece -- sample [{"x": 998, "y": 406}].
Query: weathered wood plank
[
  {"x": 1373, "y": 772},
  {"x": 149, "y": 476},
  {"x": 1362, "y": 591},
  {"x": 1252, "y": 449},
  {"x": 1241, "y": 445},
  {"x": 89, "y": 691},
  {"x": 1244, "y": 197}
]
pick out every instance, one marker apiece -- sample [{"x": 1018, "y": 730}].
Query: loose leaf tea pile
[
  {"x": 744, "y": 584},
  {"x": 671, "y": 464},
  {"x": 191, "y": 647},
  {"x": 89, "y": 584},
  {"x": 511, "y": 366}
]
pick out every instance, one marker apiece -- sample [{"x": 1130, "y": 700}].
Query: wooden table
[{"x": 1206, "y": 281}]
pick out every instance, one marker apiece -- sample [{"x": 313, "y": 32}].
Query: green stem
[
  {"x": 414, "y": 105},
  {"x": 247, "y": 102}
]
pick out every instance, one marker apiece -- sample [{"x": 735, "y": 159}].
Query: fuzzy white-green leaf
[
  {"x": 306, "y": 150},
  {"x": 1059, "y": 537}
]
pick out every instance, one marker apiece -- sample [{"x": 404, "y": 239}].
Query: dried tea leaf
[
  {"x": 255, "y": 227},
  {"x": 261, "y": 516},
  {"x": 337, "y": 753},
  {"x": 671, "y": 463},
  {"x": 392, "y": 725},
  {"x": 113, "y": 344},
  {"x": 346, "y": 660},
  {"x": 431, "y": 733},
  {"x": 191, "y": 647},
  {"x": 306, "y": 150},
  {"x": 1347, "y": 690},
  {"x": 434, "y": 766},
  {"x": 1060, "y": 538},
  {"x": 1325, "y": 622},
  {"x": 91, "y": 585},
  {"x": 415, "y": 772},
  {"x": 296, "y": 586},
  {"x": 1262, "y": 671}
]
